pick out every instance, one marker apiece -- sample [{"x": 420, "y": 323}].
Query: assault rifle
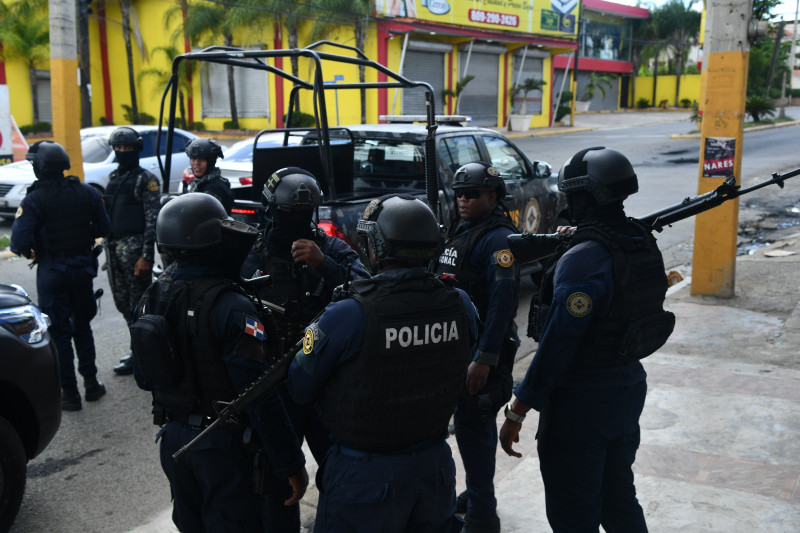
[{"x": 529, "y": 247}]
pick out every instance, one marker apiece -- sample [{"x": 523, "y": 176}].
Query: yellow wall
[{"x": 690, "y": 88}]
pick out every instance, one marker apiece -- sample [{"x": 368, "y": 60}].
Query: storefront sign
[{"x": 556, "y": 17}]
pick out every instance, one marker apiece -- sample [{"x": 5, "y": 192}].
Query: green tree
[
  {"x": 679, "y": 24},
  {"x": 642, "y": 49},
  {"x": 129, "y": 31},
  {"x": 25, "y": 34},
  {"x": 355, "y": 13},
  {"x": 162, "y": 77},
  {"x": 454, "y": 94}
]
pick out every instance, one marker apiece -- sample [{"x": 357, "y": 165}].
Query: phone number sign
[{"x": 490, "y": 17}]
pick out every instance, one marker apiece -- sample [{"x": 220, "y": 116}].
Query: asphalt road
[{"x": 101, "y": 473}]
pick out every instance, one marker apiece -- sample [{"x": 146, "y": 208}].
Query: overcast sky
[{"x": 786, "y": 9}]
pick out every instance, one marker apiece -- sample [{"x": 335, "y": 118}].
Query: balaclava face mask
[
  {"x": 289, "y": 226},
  {"x": 127, "y": 160}
]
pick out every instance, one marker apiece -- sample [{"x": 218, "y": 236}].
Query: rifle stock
[{"x": 528, "y": 247}]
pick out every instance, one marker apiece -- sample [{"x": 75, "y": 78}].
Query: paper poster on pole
[
  {"x": 719, "y": 155},
  {"x": 6, "y": 143}
]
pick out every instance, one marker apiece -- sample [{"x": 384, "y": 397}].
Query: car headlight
[{"x": 26, "y": 322}]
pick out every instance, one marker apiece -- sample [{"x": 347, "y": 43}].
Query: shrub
[
  {"x": 301, "y": 120},
  {"x": 36, "y": 127},
  {"x": 642, "y": 103},
  {"x": 563, "y": 108},
  {"x": 685, "y": 103},
  {"x": 794, "y": 93},
  {"x": 105, "y": 122},
  {"x": 197, "y": 126},
  {"x": 5, "y": 241},
  {"x": 663, "y": 104},
  {"x": 691, "y": 69},
  {"x": 229, "y": 125},
  {"x": 144, "y": 118},
  {"x": 759, "y": 107}
]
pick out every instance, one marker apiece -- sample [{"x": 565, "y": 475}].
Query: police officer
[
  {"x": 305, "y": 265},
  {"x": 199, "y": 339},
  {"x": 386, "y": 365},
  {"x": 56, "y": 225},
  {"x": 477, "y": 256},
  {"x": 602, "y": 298},
  {"x": 203, "y": 154},
  {"x": 132, "y": 200}
]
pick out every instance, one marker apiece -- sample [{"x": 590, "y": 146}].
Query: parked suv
[{"x": 30, "y": 394}]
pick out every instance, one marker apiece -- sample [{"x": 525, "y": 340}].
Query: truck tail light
[
  {"x": 330, "y": 228},
  {"x": 246, "y": 180},
  {"x": 240, "y": 211}
]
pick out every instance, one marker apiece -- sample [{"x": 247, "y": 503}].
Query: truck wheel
[{"x": 13, "y": 469}]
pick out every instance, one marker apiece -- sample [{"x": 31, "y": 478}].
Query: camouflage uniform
[{"x": 124, "y": 250}]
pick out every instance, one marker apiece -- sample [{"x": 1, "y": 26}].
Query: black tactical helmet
[
  {"x": 400, "y": 227},
  {"x": 479, "y": 175},
  {"x": 603, "y": 172},
  {"x": 291, "y": 187},
  {"x": 48, "y": 157},
  {"x": 195, "y": 221},
  {"x": 207, "y": 149},
  {"x": 126, "y": 137}
]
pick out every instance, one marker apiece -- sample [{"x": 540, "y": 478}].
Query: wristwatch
[{"x": 511, "y": 415}]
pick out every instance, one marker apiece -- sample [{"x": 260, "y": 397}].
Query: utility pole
[
  {"x": 726, "y": 52},
  {"x": 65, "y": 94}
]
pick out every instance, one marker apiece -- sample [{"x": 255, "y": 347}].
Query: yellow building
[{"x": 439, "y": 41}]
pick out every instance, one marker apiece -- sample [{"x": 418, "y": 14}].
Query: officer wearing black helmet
[
  {"x": 203, "y": 154},
  {"x": 385, "y": 365},
  {"x": 305, "y": 265},
  {"x": 132, "y": 198},
  {"x": 476, "y": 255},
  {"x": 56, "y": 225},
  {"x": 601, "y": 309},
  {"x": 199, "y": 339}
]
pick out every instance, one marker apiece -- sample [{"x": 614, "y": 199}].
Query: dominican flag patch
[{"x": 254, "y": 327}]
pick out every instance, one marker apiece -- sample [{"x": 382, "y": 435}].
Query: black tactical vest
[
  {"x": 635, "y": 325},
  {"x": 187, "y": 306},
  {"x": 67, "y": 219},
  {"x": 403, "y": 386},
  {"x": 298, "y": 288},
  {"x": 454, "y": 260},
  {"x": 125, "y": 210}
]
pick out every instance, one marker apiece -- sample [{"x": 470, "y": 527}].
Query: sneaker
[
  {"x": 70, "y": 400},
  {"x": 461, "y": 503},
  {"x": 94, "y": 390},
  {"x": 481, "y": 525}
]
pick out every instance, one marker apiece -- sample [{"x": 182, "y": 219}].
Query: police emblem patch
[
  {"x": 505, "y": 258},
  {"x": 152, "y": 185},
  {"x": 19, "y": 212},
  {"x": 308, "y": 341},
  {"x": 579, "y": 304},
  {"x": 254, "y": 327},
  {"x": 492, "y": 171}
]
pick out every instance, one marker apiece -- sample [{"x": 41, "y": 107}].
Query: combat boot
[
  {"x": 481, "y": 525},
  {"x": 70, "y": 399},
  {"x": 125, "y": 366},
  {"x": 94, "y": 389},
  {"x": 461, "y": 503}
]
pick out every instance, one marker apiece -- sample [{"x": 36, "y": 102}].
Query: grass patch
[
  {"x": 768, "y": 121},
  {"x": 4, "y": 242}
]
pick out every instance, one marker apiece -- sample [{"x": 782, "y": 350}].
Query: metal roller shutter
[
  {"x": 479, "y": 98},
  {"x": 43, "y": 93},
  {"x": 252, "y": 96},
  {"x": 423, "y": 66},
  {"x": 532, "y": 68}
]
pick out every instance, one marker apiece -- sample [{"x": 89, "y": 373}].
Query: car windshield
[
  {"x": 95, "y": 149},
  {"x": 388, "y": 163},
  {"x": 242, "y": 152}
]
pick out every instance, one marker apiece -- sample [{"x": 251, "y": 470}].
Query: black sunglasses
[{"x": 469, "y": 194}]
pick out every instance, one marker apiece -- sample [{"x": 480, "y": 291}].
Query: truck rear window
[{"x": 388, "y": 163}]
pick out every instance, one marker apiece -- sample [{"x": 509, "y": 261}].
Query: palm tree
[
  {"x": 678, "y": 23},
  {"x": 642, "y": 50},
  {"x": 454, "y": 94},
  {"x": 25, "y": 33},
  {"x": 162, "y": 77},
  {"x": 129, "y": 31},
  {"x": 354, "y": 13}
]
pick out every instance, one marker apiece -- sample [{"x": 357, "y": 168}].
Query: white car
[
  {"x": 98, "y": 162},
  {"x": 237, "y": 165}
]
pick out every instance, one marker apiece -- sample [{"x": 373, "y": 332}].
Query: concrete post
[
  {"x": 65, "y": 93},
  {"x": 726, "y": 52}
]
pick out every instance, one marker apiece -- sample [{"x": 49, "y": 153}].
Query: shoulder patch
[
  {"x": 504, "y": 258},
  {"x": 18, "y": 213},
  {"x": 253, "y": 327},
  {"x": 312, "y": 333},
  {"x": 492, "y": 171},
  {"x": 579, "y": 304},
  {"x": 152, "y": 185}
]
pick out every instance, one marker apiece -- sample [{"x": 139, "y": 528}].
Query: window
[
  {"x": 252, "y": 97},
  {"x": 95, "y": 149},
  {"x": 459, "y": 151},
  {"x": 389, "y": 163},
  {"x": 505, "y": 158}
]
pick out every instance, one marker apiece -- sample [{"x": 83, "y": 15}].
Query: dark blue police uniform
[
  {"x": 589, "y": 410},
  {"x": 386, "y": 378},
  {"x": 214, "y": 184},
  {"x": 491, "y": 277},
  {"x": 212, "y": 485},
  {"x": 58, "y": 220}
]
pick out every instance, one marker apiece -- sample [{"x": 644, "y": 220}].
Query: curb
[
  {"x": 7, "y": 254},
  {"x": 535, "y": 133},
  {"x": 745, "y": 130}
]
